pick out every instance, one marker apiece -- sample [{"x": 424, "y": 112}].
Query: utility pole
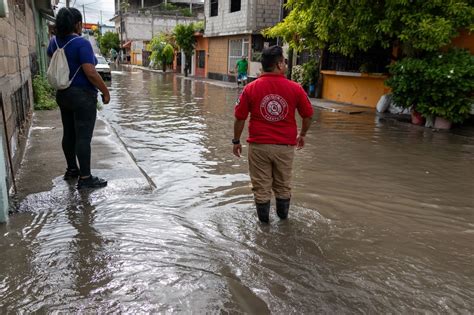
[
  {"x": 84, "y": 14},
  {"x": 121, "y": 36},
  {"x": 152, "y": 24},
  {"x": 100, "y": 17},
  {"x": 67, "y": 3}
]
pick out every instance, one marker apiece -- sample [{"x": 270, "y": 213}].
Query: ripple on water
[{"x": 381, "y": 220}]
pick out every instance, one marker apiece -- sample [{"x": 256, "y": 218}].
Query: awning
[{"x": 127, "y": 44}]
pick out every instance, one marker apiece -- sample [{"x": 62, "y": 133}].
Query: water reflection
[{"x": 382, "y": 219}]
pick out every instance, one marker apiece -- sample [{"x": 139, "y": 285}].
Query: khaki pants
[{"x": 270, "y": 167}]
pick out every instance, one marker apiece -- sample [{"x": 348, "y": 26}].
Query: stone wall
[{"x": 17, "y": 47}]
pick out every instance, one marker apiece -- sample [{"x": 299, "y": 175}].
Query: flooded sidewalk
[{"x": 382, "y": 218}]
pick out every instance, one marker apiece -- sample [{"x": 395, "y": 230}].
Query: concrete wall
[
  {"x": 353, "y": 88},
  {"x": 139, "y": 27},
  {"x": 267, "y": 14},
  {"x": 254, "y": 15},
  {"x": 17, "y": 47},
  {"x": 226, "y": 22},
  {"x": 3, "y": 184}
]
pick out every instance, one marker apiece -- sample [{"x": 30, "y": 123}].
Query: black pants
[{"x": 78, "y": 113}]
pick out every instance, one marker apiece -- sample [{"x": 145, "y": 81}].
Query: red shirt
[{"x": 272, "y": 101}]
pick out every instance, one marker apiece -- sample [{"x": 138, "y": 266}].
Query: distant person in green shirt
[{"x": 242, "y": 68}]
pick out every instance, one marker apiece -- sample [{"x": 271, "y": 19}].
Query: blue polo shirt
[{"x": 78, "y": 52}]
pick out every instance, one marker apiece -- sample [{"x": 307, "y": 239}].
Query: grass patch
[{"x": 44, "y": 94}]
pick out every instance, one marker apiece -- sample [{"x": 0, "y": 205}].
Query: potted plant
[{"x": 439, "y": 85}]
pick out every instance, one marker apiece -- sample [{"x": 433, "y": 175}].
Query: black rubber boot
[
  {"x": 282, "y": 207},
  {"x": 263, "y": 211}
]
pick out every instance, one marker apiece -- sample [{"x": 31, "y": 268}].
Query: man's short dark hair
[{"x": 270, "y": 57}]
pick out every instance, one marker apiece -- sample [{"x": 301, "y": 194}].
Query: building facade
[
  {"x": 23, "y": 33},
  {"x": 138, "y": 23},
  {"x": 233, "y": 29}
]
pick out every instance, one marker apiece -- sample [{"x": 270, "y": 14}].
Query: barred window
[{"x": 237, "y": 49}]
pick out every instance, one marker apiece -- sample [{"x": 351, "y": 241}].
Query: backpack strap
[
  {"x": 74, "y": 76},
  {"x": 70, "y": 41}
]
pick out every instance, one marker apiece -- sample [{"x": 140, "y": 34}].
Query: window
[
  {"x": 235, "y": 5},
  {"x": 214, "y": 7},
  {"x": 201, "y": 59},
  {"x": 376, "y": 59},
  {"x": 21, "y": 104},
  {"x": 237, "y": 49}
]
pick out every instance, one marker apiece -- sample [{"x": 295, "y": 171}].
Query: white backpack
[{"x": 58, "y": 70}]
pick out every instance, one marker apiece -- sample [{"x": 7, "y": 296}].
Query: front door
[{"x": 200, "y": 70}]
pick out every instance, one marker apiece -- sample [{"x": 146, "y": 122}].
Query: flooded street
[{"x": 382, "y": 219}]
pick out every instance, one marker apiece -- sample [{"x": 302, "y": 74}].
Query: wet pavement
[{"x": 382, "y": 219}]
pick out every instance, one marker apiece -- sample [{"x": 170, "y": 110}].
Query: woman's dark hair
[
  {"x": 66, "y": 21},
  {"x": 270, "y": 57}
]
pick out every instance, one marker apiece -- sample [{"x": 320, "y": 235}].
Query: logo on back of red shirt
[{"x": 274, "y": 108}]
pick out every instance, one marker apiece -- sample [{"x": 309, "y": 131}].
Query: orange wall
[
  {"x": 465, "y": 40},
  {"x": 358, "y": 89},
  {"x": 203, "y": 44}
]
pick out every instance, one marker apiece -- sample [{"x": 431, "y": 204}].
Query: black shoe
[
  {"x": 263, "y": 211},
  {"x": 282, "y": 207},
  {"x": 71, "y": 174},
  {"x": 91, "y": 182}
]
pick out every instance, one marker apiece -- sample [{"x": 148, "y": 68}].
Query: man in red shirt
[{"x": 272, "y": 101}]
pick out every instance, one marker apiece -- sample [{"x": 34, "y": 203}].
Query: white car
[{"x": 103, "y": 68}]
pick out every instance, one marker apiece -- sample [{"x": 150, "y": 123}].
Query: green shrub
[
  {"x": 310, "y": 72},
  {"x": 440, "y": 84},
  {"x": 44, "y": 94},
  {"x": 168, "y": 7},
  {"x": 186, "y": 12}
]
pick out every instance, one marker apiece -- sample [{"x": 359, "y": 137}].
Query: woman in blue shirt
[{"x": 78, "y": 103}]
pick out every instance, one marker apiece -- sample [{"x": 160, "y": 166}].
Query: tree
[
  {"x": 108, "y": 41},
  {"x": 348, "y": 26},
  {"x": 162, "y": 51},
  {"x": 184, "y": 35}
]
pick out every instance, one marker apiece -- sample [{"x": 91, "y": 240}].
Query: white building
[{"x": 143, "y": 19}]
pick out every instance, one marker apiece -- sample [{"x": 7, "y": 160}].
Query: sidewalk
[
  {"x": 230, "y": 85},
  {"x": 44, "y": 164},
  {"x": 340, "y": 107}
]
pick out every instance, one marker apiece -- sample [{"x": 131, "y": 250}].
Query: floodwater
[{"x": 382, "y": 219}]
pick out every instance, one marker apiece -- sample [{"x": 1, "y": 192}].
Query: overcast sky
[{"x": 93, "y": 9}]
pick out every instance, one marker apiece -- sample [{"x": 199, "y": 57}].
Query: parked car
[{"x": 103, "y": 68}]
